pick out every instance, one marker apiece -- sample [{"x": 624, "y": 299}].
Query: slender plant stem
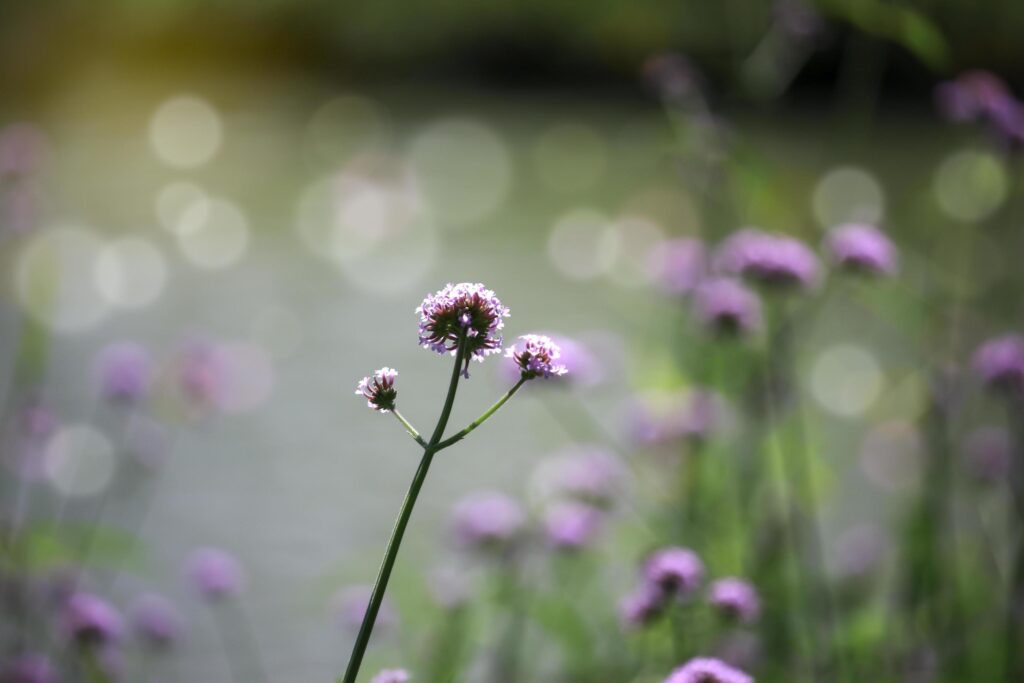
[
  {"x": 409, "y": 428},
  {"x": 483, "y": 418},
  {"x": 388, "y": 563}
]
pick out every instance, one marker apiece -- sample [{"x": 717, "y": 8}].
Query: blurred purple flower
[
  {"x": 392, "y": 676},
  {"x": 1000, "y": 363},
  {"x": 537, "y": 356},
  {"x": 379, "y": 389},
  {"x": 23, "y": 149},
  {"x": 586, "y": 473},
  {"x": 203, "y": 374},
  {"x": 29, "y": 668},
  {"x": 735, "y": 599},
  {"x": 642, "y": 606},
  {"x": 467, "y": 310},
  {"x": 89, "y": 621},
  {"x": 989, "y": 453},
  {"x": 677, "y": 571},
  {"x": 677, "y": 265},
  {"x": 487, "y": 520},
  {"x": 708, "y": 670},
  {"x": 572, "y": 526},
  {"x": 214, "y": 574},
  {"x": 125, "y": 372},
  {"x": 156, "y": 621},
  {"x": 862, "y": 248},
  {"x": 350, "y": 605},
  {"x": 982, "y": 96},
  {"x": 774, "y": 260},
  {"x": 726, "y": 307}
]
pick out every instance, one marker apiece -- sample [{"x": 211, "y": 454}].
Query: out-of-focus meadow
[{"x": 215, "y": 221}]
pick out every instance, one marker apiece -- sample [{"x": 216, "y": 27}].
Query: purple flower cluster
[
  {"x": 572, "y": 526},
  {"x": 735, "y": 599},
  {"x": 89, "y": 621},
  {"x": 862, "y": 248},
  {"x": 487, "y": 520},
  {"x": 669, "y": 573},
  {"x": 466, "y": 313},
  {"x": 537, "y": 356},
  {"x": 708, "y": 670},
  {"x": 379, "y": 389},
  {"x": 155, "y": 621},
  {"x": 1000, "y": 363},
  {"x": 769, "y": 259},
  {"x": 983, "y": 97},
  {"x": 392, "y": 676},
  {"x": 727, "y": 308},
  {"x": 587, "y": 474},
  {"x": 125, "y": 372},
  {"x": 214, "y": 574},
  {"x": 29, "y": 668}
]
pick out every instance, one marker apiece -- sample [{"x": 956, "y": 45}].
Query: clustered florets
[
  {"x": 768, "y": 258},
  {"x": 379, "y": 389},
  {"x": 708, "y": 670},
  {"x": 536, "y": 356},
  {"x": 467, "y": 313}
]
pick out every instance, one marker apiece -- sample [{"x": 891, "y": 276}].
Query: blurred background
[{"x": 249, "y": 199}]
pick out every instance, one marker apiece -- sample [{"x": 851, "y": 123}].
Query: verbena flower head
[
  {"x": 487, "y": 520},
  {"x": 735, "y": 599},
  {"x": 678, "y": 265},
  {"x": 642, "y": 606},
  {"x": 392, "y": 676},
  {"x": 125, "y": 372},
  {"x": 29, "y": 668},
  {"x": 1000, "y": 363},
  {"x": 583, "y": 366},
  {"x": 769, "y": 259},
  {"x": 982, "y": 96},
  {"x": 862, "y": 248},
  {"x": 572, "y": 526},
  {"x": 379, "y": 389},
  {"x": 537, "y": 356},
  {"x": 89, "y": 621},
  {"x": 215, "y": 574},
  {"x": 989, "y": 451},
  {"x": 677, "y": 571},
  {"x": 156, "y": 621},
  {"x": 467, "y": 311},
  {"x": 726, "y": 307},
  {"x": 708, "y": 670}
]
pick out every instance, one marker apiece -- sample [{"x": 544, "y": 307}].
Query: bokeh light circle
[
  {"x": 848, "y": 195},
  {"x": 213, "y": 234},
  {"x": 464, "y": 167},
  {"x": 846, "y": 380},
  {"x": 583, "y": 244},
  {"x": 570, "y": 157},
  {"x": 185, "y": 131},
  {"x": 177, "y": 198},
  {"x": 970, "y": 185},
  {"x": 637, "y": 236},
  {"x": 79, "y": 461},
  {"x": 130, "y": 272},
  {"x": 54, "y": 279}
]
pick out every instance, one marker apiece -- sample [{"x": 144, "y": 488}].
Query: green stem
[
  {"x": 409, "y": 428},
  {"x": 483, "y": 418},
  {"x": 388, "y": 563}
]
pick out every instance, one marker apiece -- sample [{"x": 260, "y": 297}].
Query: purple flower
[
  {"x": 735, "y": 599},
  {"x": 29, "y": 668},
  {"x": 862, "y": 248},
  {"x": 642, "y": 606},
  {"x": 125, "y": 372},
  {"x": 467, "y": 311},
  {"x": 215, "y": 574},
  {"x": 708, "y": 670},
  {"x": 350, "y": 605},
  {"x": 203, "y": 374},
  {"x": 775, "y": 260},
  {"x": 571, "y": 526},
  {"x": 982, "y": 96},
  {"x": 583, "y": 366},
  {"x": 1000, "y": 363},
  {"x": 392, "y": 676},
  {"x": 678, "y": 265},
  {"x": 727, "y": 308},
  {"x": 585, "y": 473},
  {"x": 989, "y": 452},
  {"x": 90, "y": 621},
  {"x": 676, "y": 571},
  {"x": 156, "y": 621},
  {"x": 487, "y": 520},
  {"x": 537, "y": 356},
  {"x": 379, "y": 389}
]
